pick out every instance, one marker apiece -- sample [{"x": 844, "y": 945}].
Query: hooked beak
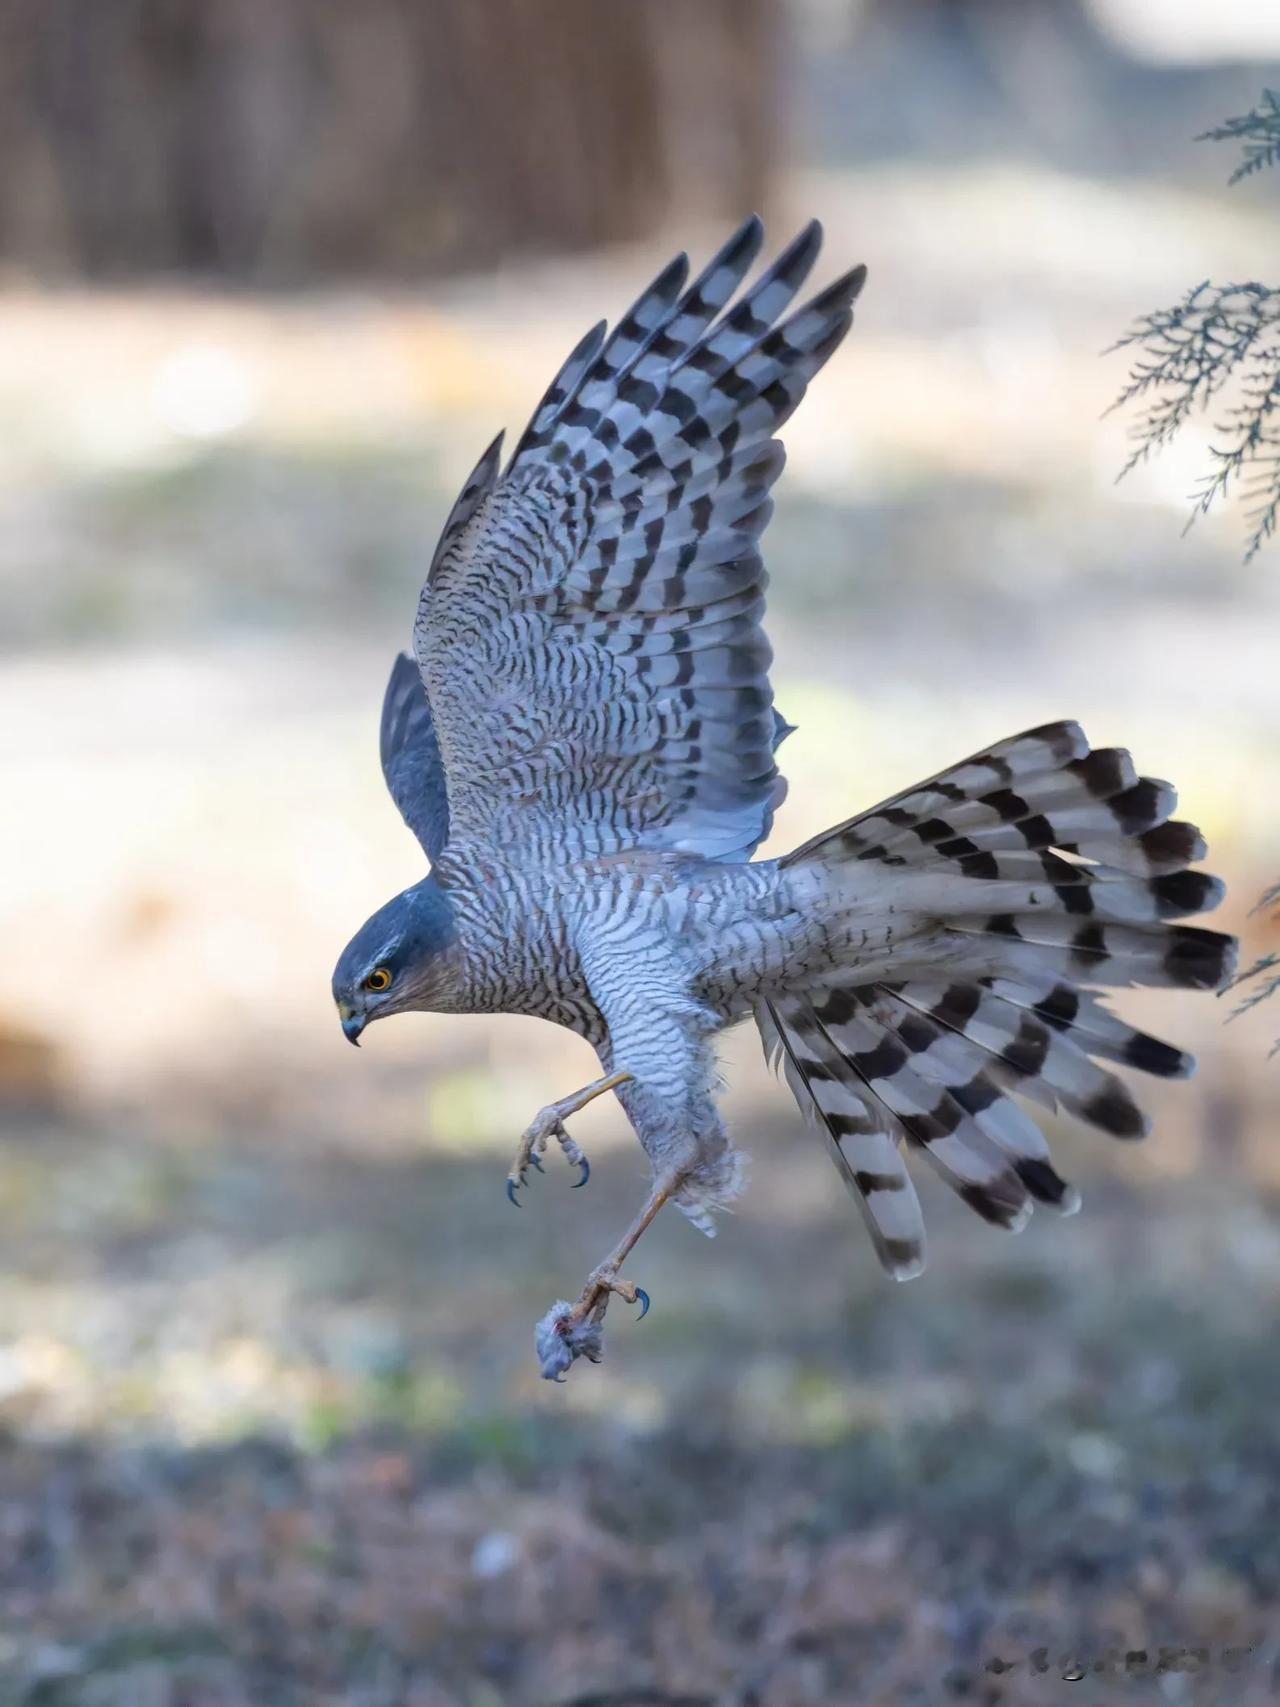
[{"x": 352, "y": 1024}]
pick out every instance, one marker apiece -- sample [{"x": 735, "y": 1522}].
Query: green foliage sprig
[
  {"x": 1264, "y": 974},
  {"x": 1218, "y": 334},
  {"x": 1260, "y": 129},
  {"x": 1186, "y": 355}
]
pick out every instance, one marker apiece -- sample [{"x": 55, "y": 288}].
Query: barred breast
[{"x": 728, "y": 933}]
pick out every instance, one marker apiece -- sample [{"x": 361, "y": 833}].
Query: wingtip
[
  {"x": 809, "y": 242},
  {"x": 796, "y": 261},
  {"x": 673, "y": 277},
  {"x": 750, "y": 232},
  {"x": 840, "y": 294},
  {"x": 592, "y": 344},
  {"x": 737, "y": 252}
]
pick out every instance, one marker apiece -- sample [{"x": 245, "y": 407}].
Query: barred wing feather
[{"x": 590, "y": 634}]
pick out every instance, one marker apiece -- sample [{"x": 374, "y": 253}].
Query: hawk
[{"x": 585, "y": 745}]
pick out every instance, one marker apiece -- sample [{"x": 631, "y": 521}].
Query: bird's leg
[
  {"x": 570, "y": 1331},
  {"x": 549, "y": 1123},
  {"x": 603, "y": 1281}
]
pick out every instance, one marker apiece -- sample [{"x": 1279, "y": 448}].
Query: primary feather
[{"x": 591, "y": 631}]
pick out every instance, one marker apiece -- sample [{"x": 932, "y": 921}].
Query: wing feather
[
  {"x": 411, "y": 761},
  {"x": 591, "y": 635}
]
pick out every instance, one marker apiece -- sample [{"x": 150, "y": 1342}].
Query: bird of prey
[{"x": 584, "y": 744}]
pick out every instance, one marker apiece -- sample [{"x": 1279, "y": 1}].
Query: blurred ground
[
  {"x": 272, "y": 1430},
  {"x": 253, "y": 1453}
]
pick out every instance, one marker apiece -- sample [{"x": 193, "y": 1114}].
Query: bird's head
[{"x": 404, "y": 959}]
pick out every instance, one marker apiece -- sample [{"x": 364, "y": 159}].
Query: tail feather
[
  {"x": 1162, "y": 957},
  {"x": 1167, "y": 848},
  {"x": 1095, "y": 1027},
  {"x": 862, "y": 1142},
  {"x": 1012, "y": 882},
  {"x": 1046, "y": 789},
  {"x": 1047, "y": 1066},
  {"x": 877, "y": 1045}
]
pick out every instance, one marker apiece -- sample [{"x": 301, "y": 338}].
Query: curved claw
[
  {"x": 642, "y": 1298},
  {"x": 512, "y": 1188},
  {"x": 585, "y": 1165},
  {"x": 536, "y": 1162}
]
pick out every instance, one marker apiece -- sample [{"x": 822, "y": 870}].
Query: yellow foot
[
  {"x": 601, "y": 1286},
  {"x": 548, "y": 1124}
]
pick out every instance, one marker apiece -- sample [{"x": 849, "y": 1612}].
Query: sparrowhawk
[{"x": 585, "y": 745}]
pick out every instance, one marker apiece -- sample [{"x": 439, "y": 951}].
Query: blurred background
[{"x": 272, "y": 272}]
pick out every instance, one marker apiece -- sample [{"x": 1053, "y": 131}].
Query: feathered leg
[{"x": 657, "y": 1055}]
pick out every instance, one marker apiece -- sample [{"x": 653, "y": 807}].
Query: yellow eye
[{"x": 378, "y": 979}]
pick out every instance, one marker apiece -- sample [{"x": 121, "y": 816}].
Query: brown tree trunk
[{"x": 269, "y": 141}]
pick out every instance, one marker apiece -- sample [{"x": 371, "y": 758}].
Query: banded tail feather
[
  {"x": 1017, "y": 879},
  {"x": 863, "y": 1143}
]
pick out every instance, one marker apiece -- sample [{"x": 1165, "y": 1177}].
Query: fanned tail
[{"x": 1016, "y": 879}]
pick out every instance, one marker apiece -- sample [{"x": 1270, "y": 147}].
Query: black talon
[
  {"x": 512, "y": 1188},
  {"x": 642, "y": 1298},
  {"x": 585, "y": 1165},
  {"x": 534, "y": 1162}
]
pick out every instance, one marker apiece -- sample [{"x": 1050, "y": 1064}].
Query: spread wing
[
  {"x": 590, "y": 634},
  {"x": 411, "y": 761}
]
